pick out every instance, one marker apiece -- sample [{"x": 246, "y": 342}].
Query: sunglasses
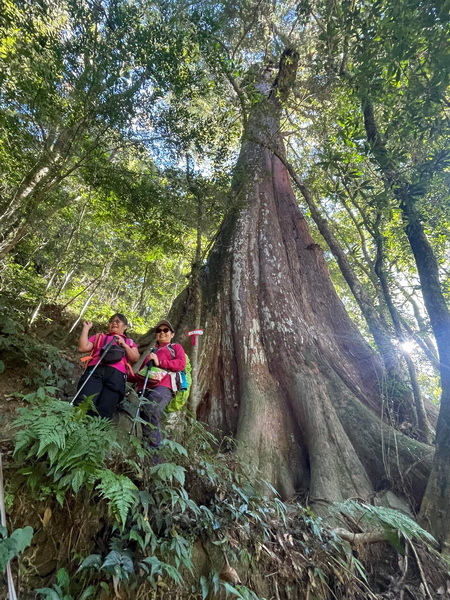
[{"x": 163, "y": 330}]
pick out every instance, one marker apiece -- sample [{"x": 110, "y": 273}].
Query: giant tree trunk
[
  {"x": 406, "y": 406},
  {"x": 283, "y": 369}
]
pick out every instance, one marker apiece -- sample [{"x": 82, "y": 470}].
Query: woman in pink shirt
[
  {"x": 159, "y": 392},
  {"x": 107, "y": 383}
]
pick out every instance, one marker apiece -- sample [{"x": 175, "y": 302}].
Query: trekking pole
[
  {"x": 9, "y": 578},
  {"x": 105, "y": 350},
  {"x": 141, "y": 396}
]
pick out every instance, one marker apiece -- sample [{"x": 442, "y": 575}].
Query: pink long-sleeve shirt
[
  {"x": 167, "y": 362},
  {"x": 105, "y": 339}
]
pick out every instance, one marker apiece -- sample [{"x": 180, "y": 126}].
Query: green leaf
[
  {"x": 145, "y": 499},
  {"x": 49, "y": 593},
  {"x": 10, "y": 327},
  {"x": 393, "y": 538},
  {"x": 119, "y": 490},
  {"x": 204, "y": 587},
  {"x": 88, "y": 592},
  {"x": 359, "y": 567},
  {"x": 134, "y": 535},
  {"x": 118, "y": 559},
  {"x": 63, "y": 578},
  {"x": 168, "y": 472},
  {"x": 93, "y": 560},
  {"x": 232, "y": 590},
  {"x": 22, "y": 537},
  {"x": 8, "y": 550},
  {"x": 175, "y": 447}
]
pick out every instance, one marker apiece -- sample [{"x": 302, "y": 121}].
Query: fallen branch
[{"x": 369, "y": 537}]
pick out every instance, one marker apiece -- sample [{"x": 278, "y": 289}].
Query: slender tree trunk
[
  {"x": 414, "y": 402},
  {"x": 425, "y": 344},
  {"x": 283, "y": 369},
  {"x": 58, "y": 265},
  {"x": 376, "y": 326},
  {"x": 436, "y": 504},
  {"x": 84, "y": 307},
  {"x": 10, "y": 241},
  {"x": 39, "y": 180},
  {"x": 48, "y": 172},
  {"x": 99, "y": 280},
  {"x": 67, "y": 277},
  {"x": 95, "y": 281},
  {"x": 38, "y": 307},
  {"x": 140, "y": 300},
  {"x": 194, "y": 396},
  {"x": 33, "y": 181}
]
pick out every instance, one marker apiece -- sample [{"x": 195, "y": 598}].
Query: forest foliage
[
  {"x": 164, "y": 523},
  {"x": 119, "y": 127}
]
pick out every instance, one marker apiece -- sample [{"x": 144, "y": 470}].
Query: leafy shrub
[
  {"x": 43, "y": 363},
  {"x": 60, "y": 590},
  {"x": 393, "y": 523},
  {"x": 61, "y": 449},
  {"x": 21, "y": 286}
]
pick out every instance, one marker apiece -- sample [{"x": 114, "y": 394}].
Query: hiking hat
[{"x": 165, "y": 322}]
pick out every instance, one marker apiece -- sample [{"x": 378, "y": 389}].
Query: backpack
[
  {"x": 113, "y": 355},
  {"x": 183, "y": 380}
]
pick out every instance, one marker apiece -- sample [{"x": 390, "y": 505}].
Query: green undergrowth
[
  {"x": 111, "y": 520},
  {"x": 40, "y": 364}
]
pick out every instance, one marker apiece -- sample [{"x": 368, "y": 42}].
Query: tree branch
[{"x": 368, "y": 537}]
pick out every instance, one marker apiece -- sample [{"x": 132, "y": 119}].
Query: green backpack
[{"x": 180, "y": 398}]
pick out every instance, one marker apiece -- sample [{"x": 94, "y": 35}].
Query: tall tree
[{"x": 283, "y": 368}]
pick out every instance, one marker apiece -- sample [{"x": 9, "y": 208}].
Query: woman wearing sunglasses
[{"x": 168, "y": 358}]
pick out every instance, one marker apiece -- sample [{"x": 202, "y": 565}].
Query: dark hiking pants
[
  {"x": 107, "y": 385},
  {"x": 151, "y": 411}
]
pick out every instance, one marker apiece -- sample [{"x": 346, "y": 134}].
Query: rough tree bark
[
  {"x": 283, "y": 369},
  {"x": 404, "y": 406}
]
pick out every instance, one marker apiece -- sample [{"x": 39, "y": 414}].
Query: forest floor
[{"x": 292, "y": 563}]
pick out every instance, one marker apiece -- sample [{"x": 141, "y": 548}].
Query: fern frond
[
  {"x": 169, "y": 471},
  {"x": 69, "y": 445},
  {"x": 119, "y": 490},
  {"x": 387, "y": 518}
]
